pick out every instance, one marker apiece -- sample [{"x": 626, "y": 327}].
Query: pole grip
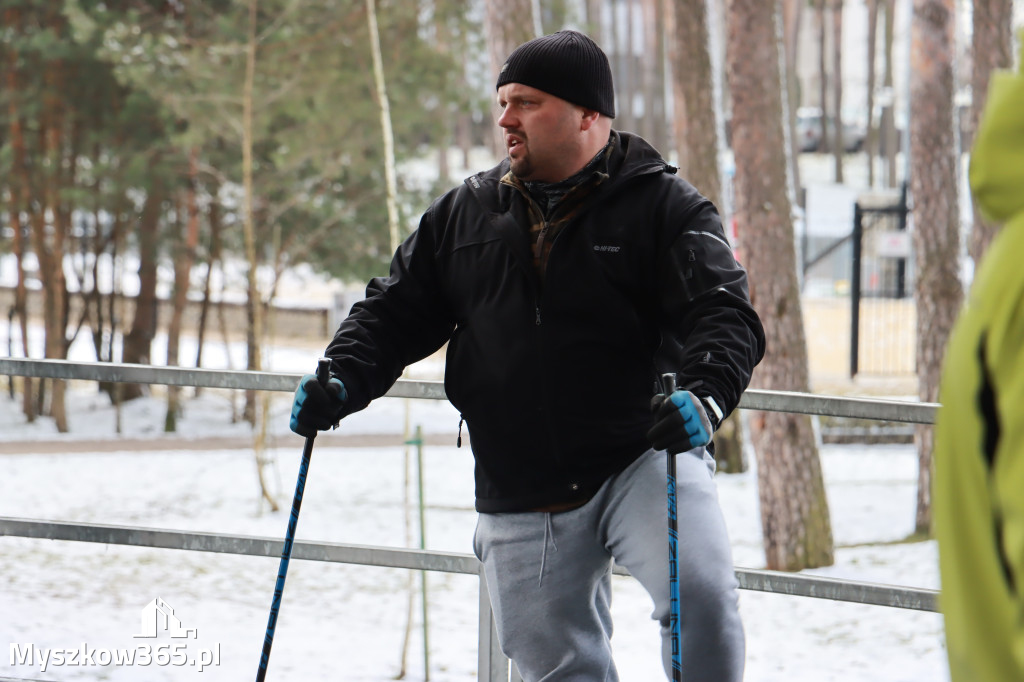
[{"x": 323, "y": 371}]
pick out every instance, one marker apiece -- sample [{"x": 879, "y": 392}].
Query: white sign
[{"x": 893, "y": 244}]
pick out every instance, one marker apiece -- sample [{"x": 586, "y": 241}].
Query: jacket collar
[{"x": 631, "y": 156}]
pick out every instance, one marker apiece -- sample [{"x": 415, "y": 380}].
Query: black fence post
[
  {"x": 901, "y": 263},
  {"x": 856, "y": 238}
]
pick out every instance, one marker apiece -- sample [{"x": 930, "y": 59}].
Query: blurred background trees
[{"x": 149, "y": 147}]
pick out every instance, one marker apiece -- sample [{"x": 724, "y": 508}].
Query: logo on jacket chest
[{"x": 606, "y": 248}]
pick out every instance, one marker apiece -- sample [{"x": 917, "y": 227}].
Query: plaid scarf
[{"x": 553, "y": 205}]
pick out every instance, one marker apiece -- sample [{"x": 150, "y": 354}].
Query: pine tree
[
  {"x": 795, "y": 517},
  {"x": 933, "y": 188}
]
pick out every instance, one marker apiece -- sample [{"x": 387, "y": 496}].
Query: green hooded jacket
[{"x": 978, "y": 493}]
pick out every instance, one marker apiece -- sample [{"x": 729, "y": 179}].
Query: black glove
[
  {"x": 316, "y": 407},
  {"x": 680, "y": 423}
]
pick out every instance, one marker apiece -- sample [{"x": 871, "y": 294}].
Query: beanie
[{"x": 566, "y": 64}]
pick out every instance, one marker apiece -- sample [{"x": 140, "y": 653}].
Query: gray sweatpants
[{"x": 549, "y": 575}]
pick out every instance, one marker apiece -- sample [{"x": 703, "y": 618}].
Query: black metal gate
[{"x": 882, "y": 314}]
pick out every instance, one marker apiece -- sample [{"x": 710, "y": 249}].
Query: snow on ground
[{"x": 347, "y": 622}]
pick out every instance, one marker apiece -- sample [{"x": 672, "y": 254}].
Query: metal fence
[
  {"x": 492, "y": 664},
  {"x": 882, "y": 313}
]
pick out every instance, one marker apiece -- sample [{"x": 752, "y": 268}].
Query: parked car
[{"x": 809, "y": 131}]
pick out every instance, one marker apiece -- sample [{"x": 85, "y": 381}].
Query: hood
[{"x": 997, "y": 160}]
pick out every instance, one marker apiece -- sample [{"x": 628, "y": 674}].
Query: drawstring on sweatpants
[{"x": 549, "y": 534}]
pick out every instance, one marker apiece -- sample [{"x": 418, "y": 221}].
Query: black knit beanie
[{"x": 566, "y": 64}]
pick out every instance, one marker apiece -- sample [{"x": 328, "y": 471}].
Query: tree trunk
[
  {"x": 213, "y": 257},
  {"x": 625, "y": 64},
  {"x": 794, "y": 510},
  {"x": 593, "y": 20},
  {"x": 654, "y": 128},
  {"x": 888, "y": 122},
  {"x": 94, "y": 298},
  {"x": 992, "y": 48},
  {"x": 697, "y": 143},
  {"x": 509, "y": 24},
  {"x": 254, "y": 309},
  {"x": 185, "y": 257},
  {"x": 252, "y": 411},
  {"x": 20, "y": 310},
  {"x": 139, "y": 339},
  {"x": 819, "y": 21},
  {"x": 447, "y": 112},
  {"x": 391, "y": 181},
  {"x": 697, "y": 146},
  {"x": 871, "y": 142},
  {"x": 49, "y": 225},
  {"x": 114, "y": 306},
  {"x": 933, "y": 185},
  {"x": 110, "y": 302},
  {"x": 792, "y": 10},
  {"x": 387, "y": 134},
  {"x": 838, "y": 148},
  {"x": 20, "y": 199},
  {"x": 464, "y": 134}
]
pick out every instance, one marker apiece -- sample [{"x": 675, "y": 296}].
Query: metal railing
[
  {"x": 772, "y": 401},
  {"x": 492, "y": 664}
]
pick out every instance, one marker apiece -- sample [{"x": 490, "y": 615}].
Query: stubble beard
[{"x": 521, "y": 167}]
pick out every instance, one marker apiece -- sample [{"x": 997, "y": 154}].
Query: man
[
  {"x": 979, "y": 437},
  {"x": 566, "y": 280}
]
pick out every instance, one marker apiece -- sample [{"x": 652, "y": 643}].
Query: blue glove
[
  {"x": 316, "y": 407},
  {"x": 680, "y": 423}
]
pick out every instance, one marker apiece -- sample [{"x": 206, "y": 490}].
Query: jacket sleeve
[
  {"x": 978, "y": 509},
  {"x": 711, "y": 335},
  {"x": 402, "y": 320}
]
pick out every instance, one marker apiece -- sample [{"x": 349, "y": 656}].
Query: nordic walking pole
[
  {"x": 668, "y": 387},
  {"x": 323, "y": 369}
]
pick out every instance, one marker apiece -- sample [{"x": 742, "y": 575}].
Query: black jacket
[{"x": 555, "y": 380}]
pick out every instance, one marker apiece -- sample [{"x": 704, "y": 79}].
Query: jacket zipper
[
  {"x": 539, "y": 246},
  {"x": 541, "y": 264}
]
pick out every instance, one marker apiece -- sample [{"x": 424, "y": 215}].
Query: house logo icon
[{"x": 158, "y": 616}]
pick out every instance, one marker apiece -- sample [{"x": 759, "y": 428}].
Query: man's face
[{"x": 542, "y": 133}]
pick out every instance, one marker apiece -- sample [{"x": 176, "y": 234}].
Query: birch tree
[{"x": 795, "y": 518}]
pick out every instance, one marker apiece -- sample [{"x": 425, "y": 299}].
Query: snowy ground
[{"x": 347, "y": 623}]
